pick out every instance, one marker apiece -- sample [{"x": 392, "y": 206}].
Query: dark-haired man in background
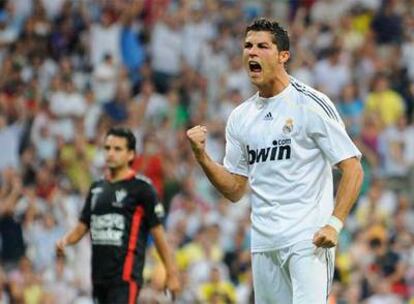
[
  {"x": 284, "y": 141},
  {"x": 120, "y": 211}
]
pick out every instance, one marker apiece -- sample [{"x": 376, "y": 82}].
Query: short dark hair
[
  {"x": 124, "y": 133},
  {"x": 375, "y": 243},
  {"x": 280, "y": 36}
]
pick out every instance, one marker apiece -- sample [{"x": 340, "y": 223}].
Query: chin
[{"x": 256, "y": 81}]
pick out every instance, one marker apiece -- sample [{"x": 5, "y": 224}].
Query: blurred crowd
[{"x": 70, "y": 69}]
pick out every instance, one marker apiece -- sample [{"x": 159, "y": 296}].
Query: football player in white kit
[{"x": 284, "y": 141}]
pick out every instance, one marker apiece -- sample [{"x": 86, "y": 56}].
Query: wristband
[{"x": 336, "y": 223}]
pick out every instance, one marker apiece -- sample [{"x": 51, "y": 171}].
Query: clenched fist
[
  {"x": 197, "y": 137},
  {"x": 326, "y": 237}
]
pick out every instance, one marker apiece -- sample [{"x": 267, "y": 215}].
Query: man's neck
[
  {"x": 119, "y": 174},
  {"x": 273, "y": 88}
]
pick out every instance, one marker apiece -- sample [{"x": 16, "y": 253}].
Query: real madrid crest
[{"x": 288, "y": 127}]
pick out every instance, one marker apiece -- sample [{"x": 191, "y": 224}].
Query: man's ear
[
  {"x": 131, "y": 156},
  {"x": 284, "y": 56}
]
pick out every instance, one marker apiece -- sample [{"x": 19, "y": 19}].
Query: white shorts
[{"x": 299, "y": 274}]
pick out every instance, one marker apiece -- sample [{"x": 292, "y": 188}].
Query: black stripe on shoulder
[
  {"x": 326, "y": 107},
  {"x": 332, "y": 111}
]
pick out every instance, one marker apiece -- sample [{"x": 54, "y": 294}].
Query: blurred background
[{"x": 70, "y": 69}]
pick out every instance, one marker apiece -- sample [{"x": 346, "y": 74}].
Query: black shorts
[{"x": 119, "y": 293}]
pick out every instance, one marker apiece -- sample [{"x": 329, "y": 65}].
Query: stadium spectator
[
  {"x": 215, "y": 290},
  {"x": 351, "y": 109},
  {"x": 166, "y": 50},
  {"x": 105, "y": 79},
  {"x": 332, "y": 74},
  {"x": 384, "y": 101}
]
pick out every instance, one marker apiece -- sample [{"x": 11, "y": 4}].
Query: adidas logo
[{"x": 268, "y": 116}]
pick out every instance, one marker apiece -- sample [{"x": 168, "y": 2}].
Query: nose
[
  {"x": 109, "y": 153},
  {"x": 252, "y": 52}
]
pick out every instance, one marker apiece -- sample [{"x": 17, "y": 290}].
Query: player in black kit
[{"x": 120, "y": 211}]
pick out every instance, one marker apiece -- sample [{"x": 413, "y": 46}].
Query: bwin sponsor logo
[{"x": 280, "y": 150}]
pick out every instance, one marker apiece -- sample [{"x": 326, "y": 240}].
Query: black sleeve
[
  {"x": 153, "y": 208},
  {"x": 85, "y": 215}
]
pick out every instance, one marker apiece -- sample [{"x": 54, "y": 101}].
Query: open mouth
[{"x": 255, "y": 67}]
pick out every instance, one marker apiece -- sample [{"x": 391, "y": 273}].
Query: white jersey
[{"x": 286, "y": 145}]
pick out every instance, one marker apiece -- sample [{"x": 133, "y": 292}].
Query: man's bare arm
[
  {"x": 232, "y": 186},
  {"x": 349, "y": 187},
  {"x": 172, "y": 282},
  {"x": 348, "y": 191},
  {"x": 72, "y": 237}
]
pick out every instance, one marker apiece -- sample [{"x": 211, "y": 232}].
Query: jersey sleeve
[
  {"x": 153, "y": 208},
  {"x": 331, "y": 137},
  {"x": 235, "y": 159},
  {"x": 85, "y": 215}
]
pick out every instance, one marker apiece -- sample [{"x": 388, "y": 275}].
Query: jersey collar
[
  {"x": 131, "y": 173},
  {"x": 261, "y": 102}
]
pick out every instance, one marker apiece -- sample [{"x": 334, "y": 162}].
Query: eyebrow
[
  {"x": 114, "y": 146},
  {"x": 258, "y": 43}
]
